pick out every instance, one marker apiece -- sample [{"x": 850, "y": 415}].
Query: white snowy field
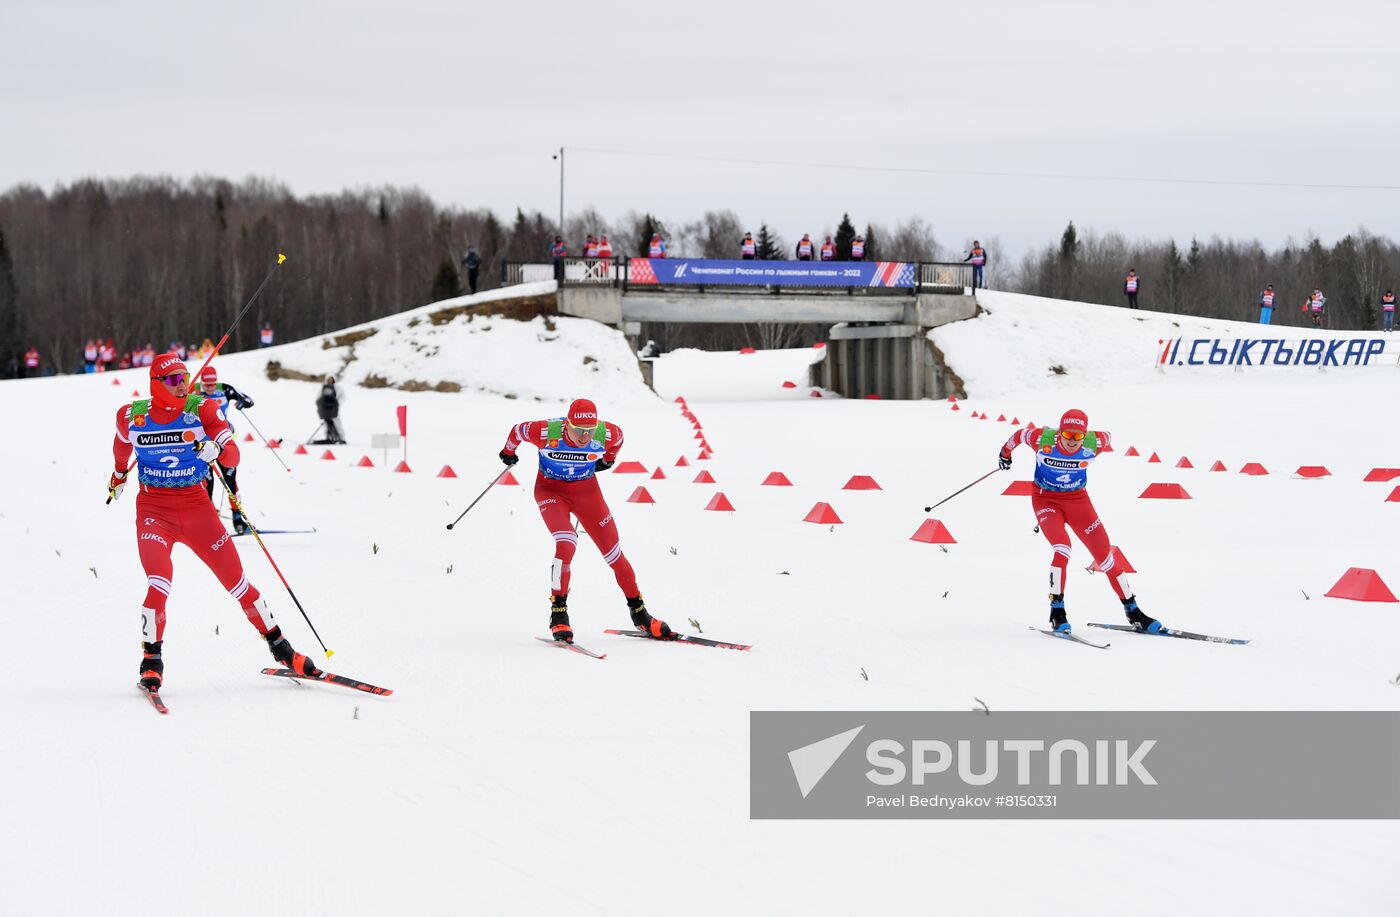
[{"x": 506, "y": 776}]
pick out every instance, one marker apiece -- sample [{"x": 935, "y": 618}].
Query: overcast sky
[{"x": 469, "y": 100}]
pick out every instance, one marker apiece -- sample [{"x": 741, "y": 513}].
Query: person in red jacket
[
  {"x": 1061, "y": 502},
  {"x": 828, "y": 251},
  {"x": 176, "y": 435},
  {"x": 572, "y": 450}
]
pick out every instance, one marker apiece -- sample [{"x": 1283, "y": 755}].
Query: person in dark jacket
[
  {"x": 328, "y": 408},
  {"x": 472, "y": 262}
]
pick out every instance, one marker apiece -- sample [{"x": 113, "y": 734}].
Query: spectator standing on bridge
[
  {"x": 1266, "y": 304},
  {"x": 828, "y": 250},
  {"x": 978, "y": 257},
  {"x": 1388, "y": 311},
  {"x": 656, "y": 248},
  {"x": 557, "y": 253},
  {"x": 590, "y": 247},
  {"x": 31, "y": 362},
  {"x": 858, "y": 248},
  {"x": 1130, "y": 287},
  {"x": 472, "y": 262},
  {"x": 748, "y": 248},
  {"x": 604, "y": 248},
  {"x": 804, "y": 248}
]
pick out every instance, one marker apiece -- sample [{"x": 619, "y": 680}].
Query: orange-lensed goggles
[{"x": 1070, "y": 435}]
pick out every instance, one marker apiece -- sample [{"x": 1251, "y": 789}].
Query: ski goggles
[
  {"x": 580, "y": 433},
  {"x": 1072, "y": 436},
  {"x": 174, "y": 379}
]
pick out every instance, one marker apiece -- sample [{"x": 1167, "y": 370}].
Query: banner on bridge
[
  {"x": 1348, "y": 351},
  {"x": 691, "y": 272}
]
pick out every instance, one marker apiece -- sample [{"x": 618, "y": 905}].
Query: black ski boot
[
  {"x": 282, "y": 651},
  {"x": 1139, "y": 619},
  {"x": 644, "y": 622},
  {"x": 1059, "y": 621},
  {"x": 152, "y": 666},
  {"x": 559, "y": 619},
  {"x": 240, "y": 525}
]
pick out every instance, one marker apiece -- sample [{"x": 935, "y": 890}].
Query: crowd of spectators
[{"x": 102, "y": 355}]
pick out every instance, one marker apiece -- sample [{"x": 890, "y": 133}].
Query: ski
[
  {"x": 153, "y": 697},
  {"x": 331, "y": 679},
  {"x": 684, "y": 638},
  {"x": 275, "y": 532},
  {"x": 1168, "y": 632},
  {"x": 573, "y": 646},
  {"x": 1072, "y": 637}
]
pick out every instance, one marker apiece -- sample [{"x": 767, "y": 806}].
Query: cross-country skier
[
  {"x": 221, "y": 393},
  {"x": 572, "y": 450},
  {"x": 176, "y": 435},
  {"x": 1061, "y": 499}
]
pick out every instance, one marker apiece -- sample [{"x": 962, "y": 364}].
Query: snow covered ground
[{"x": 505, "y": 776}]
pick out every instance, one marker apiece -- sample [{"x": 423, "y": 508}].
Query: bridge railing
[{"x": 899, "y": 278}]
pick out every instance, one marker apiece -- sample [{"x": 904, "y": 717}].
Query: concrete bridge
[{"x": 877, "y": 342}]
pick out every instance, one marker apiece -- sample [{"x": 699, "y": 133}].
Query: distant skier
[
  {"x": 1062, "y": 459},
  {"x": 1388, "y": 311},
  {"x": 1317, "y": 305},
  {"x": 221, "y": 393},
  {"x": 572, "y": 450},
  {"x": 175, "y": 436}
]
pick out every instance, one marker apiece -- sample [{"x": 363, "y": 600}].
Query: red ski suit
[
  {"x": 583, "y": 498},
  {"x": 1057, "y": 511},
  {"x": 166, "y": 515}
]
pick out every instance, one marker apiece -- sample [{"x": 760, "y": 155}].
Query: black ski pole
[
  {"x": 313, "y": 433},
  {"x": 929, "y": 509},
  {"x": 237, "y": 506},
  {"x": 241, "y": 312},
  {"x": 263, "y": 438},
  {"x": 479, "y": 496}
]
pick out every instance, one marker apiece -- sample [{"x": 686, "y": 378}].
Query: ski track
[{"x": 506, "y": 777}]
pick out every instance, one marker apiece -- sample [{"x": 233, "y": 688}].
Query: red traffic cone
[
  {"x": 1254, "y": 468},
  {"x": 630, "y": 468},
  {"x": 682, "y": 462},
  {"x": 1019, "y": 489},
  {"x": 658, "y": 474},
  {"x": 776, "y": 479},
  {"x": 640, "y": 495},
  {"x": 1164, "y": 492},
  {"x": 301, "y": 450},
  {"x": 720, "y": 503},
  {"x": 1383, "y": 474},
  {"x": 1361, "y": 585},
  {"x": 704, "y": 477},
  {"x": 446, "y": 472},
  {"x": 508, "y": 479},
  {"x": 364, "y": 462},
  {"x": 747, "y": 350},
  {"x": 1394, "y": 496},
  {"x": 1218, "y": 466},
  {"x": 402, "y": 468},
  {"x": 328, "y": 456},
  {"x": 1313, "y": 471},
  {"x": 1132, "y": 452},
  {"x": 789, "y": 385},
  {"x": 814, "y": 394},
  {"x": 1154, "y": 457},
  {"x": 247, "y": 437},
  {"x": 861, "y": 482},
  {"x": 933, "y": 532},
  {"x": 822, "y": 514},
  {"x": 1184, "y": 462}
]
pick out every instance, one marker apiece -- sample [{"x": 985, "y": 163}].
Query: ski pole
[
  {"x": 263, "y": 438},
  {"x": 479, "y": 496},
  {"x": 238, "y": 318},
  {"x": 929, "y": 509},
  {"x": 237, "y": 507}
]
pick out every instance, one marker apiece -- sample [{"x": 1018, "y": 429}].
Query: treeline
[
  {"x": 157, "y": 260},
  {"x": 1221, "y": 278}
]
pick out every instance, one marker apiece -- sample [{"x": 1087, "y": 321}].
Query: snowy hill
[{"x": 505, "y": 776}]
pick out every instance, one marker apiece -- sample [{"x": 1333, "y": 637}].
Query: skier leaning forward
[
  {"x": 176, "y": 435},
  {"x": 1061, "y": 500},
  {"x": 572, "y": 450}
]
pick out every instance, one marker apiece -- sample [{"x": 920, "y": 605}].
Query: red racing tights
[
  {"x": 558, "y": 500},
  {"x": 1055, "y": 512},
  {"x": 185, "y": 515}
]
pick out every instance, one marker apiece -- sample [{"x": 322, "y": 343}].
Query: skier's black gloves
[
  {"x": 245, "y": 403},
  {"x": 602, "y": 465},
  {"x": 509, "y": 459},
  {"x": 1004, "y": 460}
]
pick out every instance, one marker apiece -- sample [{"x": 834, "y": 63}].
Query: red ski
[
  {"x": 332, "y": 679},
  {"x": 683, "y": 638},
  {"x": 154, "y": 698}
]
